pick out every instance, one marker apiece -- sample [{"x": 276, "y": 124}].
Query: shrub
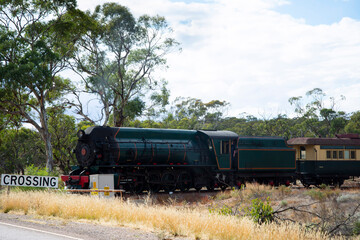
[
  {"x": 261, "y": 212},
  {"x": 316, "y": 194}
]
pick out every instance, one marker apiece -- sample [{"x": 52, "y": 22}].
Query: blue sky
[
  {"x": 321, "y": 11},
  {"x": 256, "y": 54},
  {"x": 314, "y": 12}
]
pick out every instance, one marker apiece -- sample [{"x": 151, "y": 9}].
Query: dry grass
[{"x": 180, "y": 220}]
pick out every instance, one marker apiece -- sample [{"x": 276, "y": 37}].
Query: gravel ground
[{"x": 82, "y": 230}]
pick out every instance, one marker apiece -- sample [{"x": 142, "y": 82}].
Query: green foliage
[
  {"x": 192, "y": 113},
  {"x": 356, "y": 229},
  {"x": 63, "y": 138},
  {"x": 119, "y": 54},
  {"x": 316, "y": 194},
  {"x": 322, "y": 194},
  {"x": 20, "y": 148},
  {"x": 353, "y": 126},
  {"x": 261, "y": 212},
  {"x": 36, "y": 41},
  {"x": 224, "y": 210},
  {"x": 38, "y": 171},
  {"x": 84, "y": 125},
  {"x": 314, "y": 118}
]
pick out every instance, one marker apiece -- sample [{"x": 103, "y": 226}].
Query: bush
[{"x": 261, "y": 212}]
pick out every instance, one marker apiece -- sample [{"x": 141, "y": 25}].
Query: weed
[
  {"x": 283, "y": 203},
  {"x": 284, "y": 190},
  {"x": 316, "y": 194},
  {"x": 356, "y": 229},
  {"x": 224, "y": 210},
  {"x": 256, "y": 190},
  {"x": 322, "y": 195},
  {"x": 261, "y": 212},
  {"x": 223, "y": 196},
  {"x": 323, "y": 186}
]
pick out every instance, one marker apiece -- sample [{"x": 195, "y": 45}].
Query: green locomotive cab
[{"x": 222, "y": 145}]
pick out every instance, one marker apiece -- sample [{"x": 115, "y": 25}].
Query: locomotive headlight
[{"x": 80, "y": 133}]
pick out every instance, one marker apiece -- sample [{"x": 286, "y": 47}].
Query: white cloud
[{"x": 246, "y": 53}]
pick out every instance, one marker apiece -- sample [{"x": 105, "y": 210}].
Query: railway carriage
[{"x": 327, "y": 160}]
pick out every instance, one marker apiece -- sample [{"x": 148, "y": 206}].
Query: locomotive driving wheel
[
  {"x": 154, "y": 182},
  {"x": 137, "y": 187},
  {"x": 184, "y": 181},
  {"x": 305, "y": 184},
  {"x": 168, "y": 181}
]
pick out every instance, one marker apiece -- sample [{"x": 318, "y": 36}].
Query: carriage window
[
  {"x": 341, "y": 154},
  {"x": 347, "y": 154},
  {"x": 334, "y": 154},
  {"x": 353, "y": 154},
  {"x": 328, "y": 154},
  {"x": 224, "y": 147},
  {"x": 302, "y": 153}
]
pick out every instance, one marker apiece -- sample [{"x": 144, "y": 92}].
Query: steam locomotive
[{"x": 169, "y": 160}]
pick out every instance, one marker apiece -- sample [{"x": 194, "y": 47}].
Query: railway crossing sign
[{"x": 29, "y": 181}]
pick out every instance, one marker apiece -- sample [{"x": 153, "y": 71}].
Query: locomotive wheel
[
  {"x": 305, "y": 184},
  {"x": 210, "y": 187},
  {"x": 154, "y": 183},
  {"x": 168, "y": 181},
  {"x": 223, "y": 187},
  {"x": 339, "y": 183},
  {"x": 184, "y": 181},
  {"x": 138, "y": 186}
]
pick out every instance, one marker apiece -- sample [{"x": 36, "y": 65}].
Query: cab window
[{"x": 224, "y": 147}]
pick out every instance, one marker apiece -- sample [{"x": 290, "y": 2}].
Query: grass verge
[{"x": 179, "y": 221}]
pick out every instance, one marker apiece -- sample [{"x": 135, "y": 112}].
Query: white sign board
[{"x": 29, "y": 181}]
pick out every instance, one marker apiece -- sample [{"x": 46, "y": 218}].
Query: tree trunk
[
  {"x": 49, "y": 152},
  {"x": 46, "y": 137},
  {"x": 119, "y": 117}
]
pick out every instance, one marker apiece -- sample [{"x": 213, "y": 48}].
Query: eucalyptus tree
[
  {"x": 36, "y": 39},
  {"x": 315, "y": 118},
  {"x": 20, "y": 148},
  {"x": 63, "y": 138},
  {"x": 192, "y": 113},
  {"x": 117, "y": 58},
  {"x": 353, "y": 126}
]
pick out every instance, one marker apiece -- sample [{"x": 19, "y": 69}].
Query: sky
[{"x": 257, "y": 54}]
